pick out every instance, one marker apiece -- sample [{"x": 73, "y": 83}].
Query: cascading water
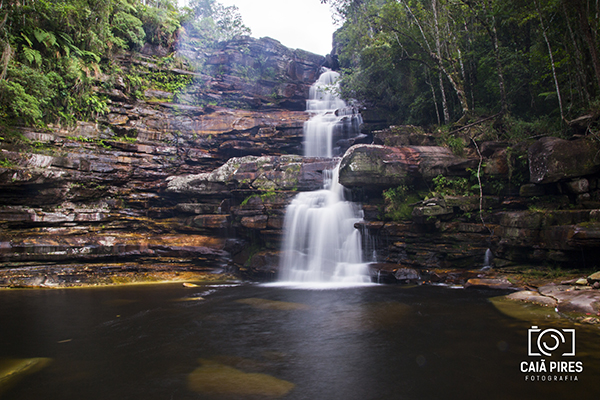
[
  {"x": 321, "y": 244},
  {"x": 331, "y": 119}
]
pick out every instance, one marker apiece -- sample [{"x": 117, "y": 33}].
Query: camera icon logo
[{"x": 545, "y": 342}]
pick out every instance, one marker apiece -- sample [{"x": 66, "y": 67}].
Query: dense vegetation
[
  {"x": 533, "y": 63},
  {"x": 55, "y": 51}
]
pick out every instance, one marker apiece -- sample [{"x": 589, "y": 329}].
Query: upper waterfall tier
[{"x": 331, "y": 118}]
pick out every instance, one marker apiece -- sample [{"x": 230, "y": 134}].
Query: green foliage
[
  {"x": 6, "y": 163},
  {"x": 213, "y": 22},
  {"x": 95, "y": 141},
  {"x": 129, "y": 29},
  {"x": 53, "y": 52},
  {"x": 457, "y": 186},
  {"x": 454, "y": 143},
  {"x": 402, "y": 58},
  {"x": 399, "y": 203},
  {"x": 265, "y": 196}
]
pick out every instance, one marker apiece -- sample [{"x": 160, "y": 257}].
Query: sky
[{"x": 298, "y": 24}]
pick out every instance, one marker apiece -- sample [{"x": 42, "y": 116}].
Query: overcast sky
[{"x": 305, "y": 24}]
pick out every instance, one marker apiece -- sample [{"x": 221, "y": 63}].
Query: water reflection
[{"x": 375, "y": 342}]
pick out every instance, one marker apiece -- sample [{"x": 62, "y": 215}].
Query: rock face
[
  {"x": 254, "y": 73},
  {"x": 255, "y": 173},
  {"x": 378, "y": 167},
  {"x": 199, "y": 180},
  {"x": 96, "y": 196},
  {"x": 553, "y": 159}
]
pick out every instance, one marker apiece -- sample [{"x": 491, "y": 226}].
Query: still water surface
[{"x": 253, "y": 342}]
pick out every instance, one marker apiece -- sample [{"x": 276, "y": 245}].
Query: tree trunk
[
  {"x": 578, "y": 59},
  {"x": 562, "y": 116},
  {"x": 499, "y": 68},
  {"x": 589, "y": 37},
  {"x": 438, "y": 49}
]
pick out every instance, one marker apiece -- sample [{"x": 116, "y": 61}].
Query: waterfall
[
  {"x": 321, "y": 244},
  {"x": 487, "y": 259},
  {"x": 331, "y": 119}
]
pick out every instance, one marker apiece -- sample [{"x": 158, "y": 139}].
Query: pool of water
[{"x": 252, "y": 341}]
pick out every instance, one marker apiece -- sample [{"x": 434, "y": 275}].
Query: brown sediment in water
[
  {"x": 214, "y": 378},
  {"x": 88, "y": 277},
  {"x": 11, "y": 370},
  {"x": 265, "y": 304}
]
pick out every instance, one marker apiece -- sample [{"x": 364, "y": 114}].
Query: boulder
[
  {"x": 572, "y": 299},
  {"x": 579, "y": 186},
  {"x": 407, "y": 274},
  {"x": 593, "y": 278},
  {"x": 552, "y": 159},
  {"x": 488, "y": 283},
  {"x": 264, "y": 173},
  {"x": 530, "y": 296},
  {"x": 375, "y": 167}
]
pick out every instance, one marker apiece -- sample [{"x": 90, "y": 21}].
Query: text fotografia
[{"x": 555, "y": 343}]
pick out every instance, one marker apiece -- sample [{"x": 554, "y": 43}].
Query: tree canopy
[
  {"x": 430, "y": 62},
  {"x": 53, "y": 51}
]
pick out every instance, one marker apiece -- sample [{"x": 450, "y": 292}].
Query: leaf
[
  {"x": 66, "y": 38},
  {"x": 27, "y": 39},
  {"x": 32, "y": 55},
  {"x": 40, "y": 35},
  {"x": 89, "y": 54}
]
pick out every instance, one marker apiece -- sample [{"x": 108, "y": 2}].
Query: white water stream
[
  {"x": 321, "y": 244},
  {"x": 331, "y": 119}
]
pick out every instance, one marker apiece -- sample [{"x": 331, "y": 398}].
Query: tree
[{"x": 528, "y": 59}]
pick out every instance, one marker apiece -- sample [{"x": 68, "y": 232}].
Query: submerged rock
[
  {"x": 13, "y": 369},
  {"x": 265, "y": 304},
  {"x": 525, "y": 311},
  {"x": 489, "y": 283},
  {"x": 213, "y": 378}
]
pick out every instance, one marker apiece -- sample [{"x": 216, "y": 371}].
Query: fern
[
  {"x": 32, "y": 56},
  {"x": 44, "y": 37}
]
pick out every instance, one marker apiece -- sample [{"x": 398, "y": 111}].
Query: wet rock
[
  {"x": 211, "y": 221},
  {"x": 532, "y": 313},
  {"x": 488, "y": 283},
  {"x": 552, "y": 159},
  {"x": 585, "y": 235},
  {"x": 533, "y": 297},
  {"x": 407, "y": 275},
  {"x": 573, "y": 299},
  {"x": 581, "y": 282},
  {"x": 255, "y": 222},
  {"x": 14, "y": 369},
  {"x": 496, "y": 164},
  {"x": 593, "y": 278}
]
